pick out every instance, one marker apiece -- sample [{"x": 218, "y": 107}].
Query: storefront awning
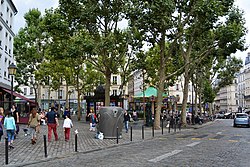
[
  {"x": 150, "y": 91},
  {"x": 20, "y": 96}
]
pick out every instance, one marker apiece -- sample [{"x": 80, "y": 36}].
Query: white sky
[{"x": 23, "y": 7}]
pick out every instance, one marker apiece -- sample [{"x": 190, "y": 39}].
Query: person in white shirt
[{"x": 67, "y": 125}]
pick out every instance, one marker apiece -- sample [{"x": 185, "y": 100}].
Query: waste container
[{"x": 110, "y": 119}]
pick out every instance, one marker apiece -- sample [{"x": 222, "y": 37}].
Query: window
[
  {"x": 11, "y": 14},
  {"x": 114, "y": 92},
  {"x": 189, "y": 98},
  {"x": 10, "y": 38},
  {"x": 9, "y": 51},
  {"x": 31, "y": 91},
  {"x": 6, "y": 34},
  {"x": 6, "y": 48},
  {"x": 2, "y": 1},
  {"x": 114, "y": 79},
  {"x": 5, "y": 74},
  {"x": 8, "y": 9},
  {"x": 177, "y": 86},
  {"x": 25, "y": 91},
  {"x": 60, "y": 94}
]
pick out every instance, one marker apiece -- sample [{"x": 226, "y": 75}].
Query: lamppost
[
  {"x": 12, "y": 71},
  {"x": 69, "y": 92},
  {"x": 43, "y": 101}
]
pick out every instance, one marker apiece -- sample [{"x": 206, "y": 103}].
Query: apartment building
[{"x": 7, "y": 13}]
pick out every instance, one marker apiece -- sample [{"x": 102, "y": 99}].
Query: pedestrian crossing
[{"x": 213, "y": 137}]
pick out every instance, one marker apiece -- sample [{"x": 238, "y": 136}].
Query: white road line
[
  {"x": 159, "y": 158},
  {"x": 219, "y": 133},
  {"x": 193, "y": 144}
]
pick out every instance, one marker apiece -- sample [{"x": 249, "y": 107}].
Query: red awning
[{"x": 20, "y": 96}]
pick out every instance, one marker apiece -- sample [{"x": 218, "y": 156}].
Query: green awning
[{"x": 150, "y": 91}]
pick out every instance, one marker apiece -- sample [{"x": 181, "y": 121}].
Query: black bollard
[
  {"x": 45, "y": 146},
  {"x": 179, "y": 125},
  {"x": 162, "y": 126},
  {"x": 169, "y": 127},
  {"x": 131, "y": 133},
  {"x": 175, "y": 125},
  {"x": 153, "y": 130},
  {"x": 76, "y": 142},
  {"x": 142, "y": 132},
  {"x": 117, "y": 136},
  {"x": 6, "y": 151}
]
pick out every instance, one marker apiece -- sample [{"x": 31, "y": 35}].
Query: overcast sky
[{"x": 23, "y": 7}]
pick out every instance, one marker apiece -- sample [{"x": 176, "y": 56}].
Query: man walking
[{"x": 52, "y": 121}]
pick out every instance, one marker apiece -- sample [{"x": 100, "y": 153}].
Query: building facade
[{"x": 7, "y": 13}]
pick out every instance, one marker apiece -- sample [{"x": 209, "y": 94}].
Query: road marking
[
  {"x": 219, "y": 133},
  {"x": 196, "y": 138},
  {"x": 234, "y": 141},
  {"x": 212, "y": 139},
  {"x": 159, "y": 158},
  {"x": 193, "y": 144}
]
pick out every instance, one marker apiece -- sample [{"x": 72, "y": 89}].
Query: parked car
[
  {"x": 219, "y": 115},
  {"x": 228, "y": 115},
  {"x": 241, "y": 119}
]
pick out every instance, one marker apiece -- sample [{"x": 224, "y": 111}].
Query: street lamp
[
  {"x": 70, "y": 92},
  {"x": 12, "y": 71},
  {"x": 43, "y": 101}
]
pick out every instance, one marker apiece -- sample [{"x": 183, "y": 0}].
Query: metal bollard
[
  {"x": 142, "y": 132},
  {"x": 179, "y": 125},
  {"x": 6, "y": 151},
  {"x": 76, "y": 133},
  {"x": 153, "y": 130},
  {"x": 45, "y": 146},
  {"x": 131, "y": 133},
  {"x": 162, "y": 126},
  {"x": 117, "y": 136},
  {"x": 175, "y": 125}
]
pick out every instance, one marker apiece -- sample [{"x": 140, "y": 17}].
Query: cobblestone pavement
[
  {"x": 218, "y": 144},
  {"x": 25, "y": 152}
]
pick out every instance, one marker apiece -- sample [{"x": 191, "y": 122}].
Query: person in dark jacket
[
  {"x": 52, "y": 121},
  {"x": 126, "y": 118}
]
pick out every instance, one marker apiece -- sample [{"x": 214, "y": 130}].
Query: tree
[
  {"x": 29, "y": 48},
  {"x": 100, "y": 19},
  {"x": 185, "y": 25}
]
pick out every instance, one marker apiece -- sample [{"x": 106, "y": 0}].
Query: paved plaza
[{"x": 26, "y": 153}]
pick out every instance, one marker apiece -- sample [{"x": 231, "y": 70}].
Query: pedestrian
[
  {"x": 66, "y": 113},
  {"x": 92, "y": 122},
  {"x": 15, "y": 114},
  {"x": 67, "y": 124},
  {"x": 134, "y": 115},
  {"x": 10, "y": 126},
  {"x": 126, "y": 118},
  {"x": 52, "y": 121},
  {"x": 1, "y": 122},
  {"x": 33, "y": 124}
]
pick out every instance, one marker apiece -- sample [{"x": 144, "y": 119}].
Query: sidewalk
[{"x": 26, "y": 153}]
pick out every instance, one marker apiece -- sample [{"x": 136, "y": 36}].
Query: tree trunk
[
  {"x": 107, "y": 88},
  {"x": 185, "y": 94},
  {"x": 162, "y": 70},
  {"x": 78, "y": 97},
  {"x": 67, "y": 95},
  {"x": 196, "y": 101},
  {"x": 210, "y": 109}
]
